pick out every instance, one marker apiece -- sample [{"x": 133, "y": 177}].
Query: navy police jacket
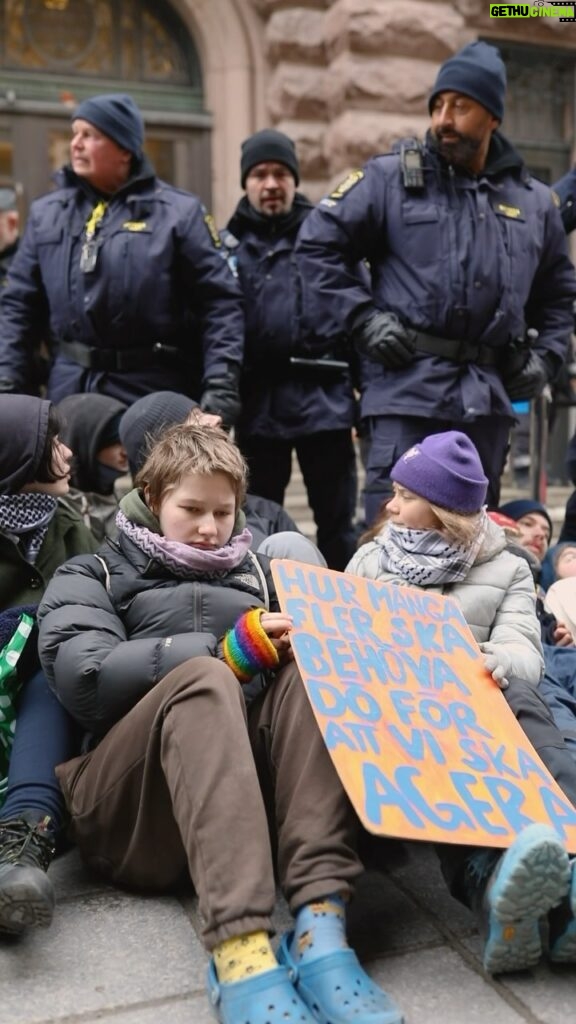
[
  {"x": 476, "y": 259},
  {"x": 565, "y": 190},
  {"x": 158, "y": 279},
  {"x": 281, "y": 399}
]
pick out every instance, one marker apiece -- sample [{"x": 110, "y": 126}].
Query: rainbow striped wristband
[{"x": 247, "y": 649}]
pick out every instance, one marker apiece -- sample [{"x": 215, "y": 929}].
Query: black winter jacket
[{"x": 112, "y": 625}]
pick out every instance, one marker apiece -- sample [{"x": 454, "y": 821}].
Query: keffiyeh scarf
[
  {"x": 182, "y": 559},
  {"x": 25, "y": 518},
  {"x": 425, "y": 558}
]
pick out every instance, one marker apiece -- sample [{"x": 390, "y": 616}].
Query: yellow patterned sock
[{"x": 243, "y": 957}]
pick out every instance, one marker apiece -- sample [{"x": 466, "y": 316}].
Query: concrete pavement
[{"x": 119, "y": 958}]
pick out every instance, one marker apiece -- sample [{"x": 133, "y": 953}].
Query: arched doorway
[{"x": 53, "y": 53}]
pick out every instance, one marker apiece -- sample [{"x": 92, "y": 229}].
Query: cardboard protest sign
[{"x": 420, "y": 734}]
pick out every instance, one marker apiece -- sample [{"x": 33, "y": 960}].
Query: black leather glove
[
  {"x": 7, "y": 386},
  {"x": 385, "y": 340},
  {"x": 529, "y": 381},
  {"x": 221, "y": 396}
]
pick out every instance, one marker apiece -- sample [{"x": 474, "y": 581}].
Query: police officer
[
  {"x": 124, "y": 275},
  {"x": 466, "y": 253},
  {"x": 296, "y": 392},
  {"x": 9, "y": 230},
  {"x": 565, "y": 192}
]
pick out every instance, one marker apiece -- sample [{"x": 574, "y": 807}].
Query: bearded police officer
[
  {"x": 470, "y": 303},
  {"x": 123, "y": 275}
]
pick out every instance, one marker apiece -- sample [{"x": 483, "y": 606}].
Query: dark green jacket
[{"x": 22, "y": 583}]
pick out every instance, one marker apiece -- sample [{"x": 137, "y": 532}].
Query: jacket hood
[
  {"x": 246, "y": 218},
  {"x": 136, "y": 510},
  {"x": 89, "y": 421},
  {"x": 23, "y": 429}
]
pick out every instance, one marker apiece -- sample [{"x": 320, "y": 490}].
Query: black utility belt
[
  {"x": 458, "y": 351},
  {"x": 110, "y": 359}
]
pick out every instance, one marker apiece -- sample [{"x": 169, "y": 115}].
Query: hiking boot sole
[
  {"x": 26, "y": 901},
  {"x": 532, "y": 877}
]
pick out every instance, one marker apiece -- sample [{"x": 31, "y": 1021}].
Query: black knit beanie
[
  {"x": 145, "y": 420},
  {"x": 117, "y": 116},
  {"x": 268, "y": 145},
  {"x": 477, "y": 71}
]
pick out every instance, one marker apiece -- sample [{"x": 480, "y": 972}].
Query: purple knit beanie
[{"x": 446, "y": 470}]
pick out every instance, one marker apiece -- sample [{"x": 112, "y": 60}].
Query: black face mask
[{"x": 104, "y": 478}]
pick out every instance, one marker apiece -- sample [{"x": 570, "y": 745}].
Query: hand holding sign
[{"x": 497, "y": 662}]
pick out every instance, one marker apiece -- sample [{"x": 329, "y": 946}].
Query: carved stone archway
[{"x": 229, "y": 36}]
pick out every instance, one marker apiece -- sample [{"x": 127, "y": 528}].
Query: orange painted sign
[{"x": 420, "y": 734}]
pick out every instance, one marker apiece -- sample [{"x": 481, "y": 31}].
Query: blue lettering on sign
[
  {"x": 560, "y": 811},
  {"x": 419, "y": 742},
  {"x": 381, "y": 792},
  {"x": 357, "y": 736},
  {"x": 528, "y": 765},
  {"x": 463, "y": 784},
  {"x": 509, "y": 798},
  {"x": 289, "y": 582},
  {"x": 329, "y": 700}
]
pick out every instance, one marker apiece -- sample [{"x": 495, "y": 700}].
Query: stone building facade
[{"x": 343, "y": 77}]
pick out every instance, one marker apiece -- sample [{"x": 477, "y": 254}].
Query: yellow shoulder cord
[
  {"x": 95, "y": 218},
  {"x": 89, "y": 252}
]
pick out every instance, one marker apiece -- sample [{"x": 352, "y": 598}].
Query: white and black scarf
[
  {"x": 426, "y": 558},
  {"x": 25, "y": 518}
]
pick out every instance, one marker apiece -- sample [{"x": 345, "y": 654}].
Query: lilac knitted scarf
[{"x": 183, "y": 559}]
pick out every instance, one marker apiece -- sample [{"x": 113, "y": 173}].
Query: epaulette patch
[
  {"x": 349, "y": 182},
  {"x": 555, "y": 198},
  {"x": 212, "y": 230}
]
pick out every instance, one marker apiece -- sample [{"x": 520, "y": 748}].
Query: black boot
[{"x": 26, "y": 893}]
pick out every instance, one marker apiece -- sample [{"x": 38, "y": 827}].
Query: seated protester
[
  {"x": 38, "y": 532},
  {"x": 91, "y": 429},
  {"x": 558, "y": 684},
  {"x": 559, "y": 563},
  {"x": 144, "y": 422},
  {"x": 437, "y": 535},
  {"x": 150, "y": 645},
  {"x": 560, "y": 597}
]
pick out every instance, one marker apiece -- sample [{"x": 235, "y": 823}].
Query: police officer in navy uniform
[
  {"x": 565, "y": 192},
  {"x": 470, "y": 304},
  {"x": 123, "y": 274},
  {"x": 296, "y": 391},
  {"x": 9, "y": 230}
]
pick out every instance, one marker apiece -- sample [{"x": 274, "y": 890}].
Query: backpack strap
[
  {"x": 263, "y": 581},
  {"x": 106, "y": 573}
]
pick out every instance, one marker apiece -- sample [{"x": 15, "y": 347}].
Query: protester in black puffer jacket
[{"x": 149, "y": 645}]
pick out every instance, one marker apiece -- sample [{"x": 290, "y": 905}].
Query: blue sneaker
[
  {"x": 530, "y": 878},
  {"x": 562, "y": 932}
]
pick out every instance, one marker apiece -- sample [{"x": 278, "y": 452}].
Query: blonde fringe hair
[
  {"x": 185, "y": 449},
  {"x": 458, "y": 527}
]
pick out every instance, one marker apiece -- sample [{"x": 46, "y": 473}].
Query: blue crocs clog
[
  {"x": 563, "y": 946},
  {"x": 337, "y": 990},
  {"x": 268, "y": 998},
  {"x": 531, "y": 878}
]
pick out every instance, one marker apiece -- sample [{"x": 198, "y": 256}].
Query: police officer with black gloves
[
  {"x": 123, "y": 275},
  {"x": 470, "y": 301},
  {"x": 296, "y": 390}
]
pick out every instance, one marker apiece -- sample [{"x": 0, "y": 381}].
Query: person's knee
[{"x": 200, "y": 675}]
